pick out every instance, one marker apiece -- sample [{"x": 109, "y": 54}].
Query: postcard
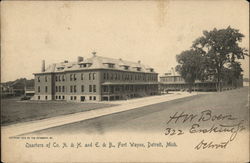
[{"x": 125, "y": 81}]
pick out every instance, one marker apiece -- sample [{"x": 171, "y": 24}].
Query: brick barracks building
[{"x": 95, "y": 79}]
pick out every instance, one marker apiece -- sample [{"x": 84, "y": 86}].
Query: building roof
[
  {"x": 98, "y": 62},
  {"x": 171, "y": 72}
]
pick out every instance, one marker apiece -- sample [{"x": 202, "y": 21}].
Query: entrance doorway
[{"x": 82, "y": 98}]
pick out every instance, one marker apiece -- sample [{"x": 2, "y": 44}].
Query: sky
[{"x": 153, "y": 32}]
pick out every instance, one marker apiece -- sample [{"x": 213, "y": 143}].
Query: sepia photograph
[{"x": 125, "y": 81}]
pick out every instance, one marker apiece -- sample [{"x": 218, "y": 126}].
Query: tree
[
  {"x": 235, "y": 72},
  {"x": 191, "y": 66},
  {"x": 220, "y": 47}
]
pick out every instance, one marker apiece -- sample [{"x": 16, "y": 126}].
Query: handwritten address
[{"x": 217, "y": 123}]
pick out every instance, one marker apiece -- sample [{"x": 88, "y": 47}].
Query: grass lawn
[{"x": 14, "y": 111}]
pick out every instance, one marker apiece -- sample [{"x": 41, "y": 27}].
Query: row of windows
[
  {"x": 60, "y": 97},
  {"x": 71, "y": 98},
  {"x": 127, "y": 76},
  {"x": 60, "y": 78},
  {"x": 73, "y": 77},
  {"x": 171, "y": 79},
  {"x": 39, "y": 79},
  {"x": 127, "y": 88},
  {"x": 111, "y": 76},
  {"x": 46, "y": 97},
  {"x": 90, "y": 98},
  {"x": 92, "y": 88},
  {"x": 39, "y": 89},
  {"x": 60, "y": 89}
]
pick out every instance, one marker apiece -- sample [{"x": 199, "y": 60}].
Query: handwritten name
[{"x": 206, "y": 115}]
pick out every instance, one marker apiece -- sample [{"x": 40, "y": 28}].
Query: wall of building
[
  {"x": 177, "y": 83},
  {"x": 43, "y": 86},
  {"x": 87, "y": 85}
]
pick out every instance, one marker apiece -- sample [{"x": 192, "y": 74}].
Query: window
[
  {"x": 94, "y": 76},
  {"x": 74, "y": 97},
  {"x": 59, "y": 89},
  {"x": 46, "y": 89},
  {"x": 59, "y": 78},
  {"x": 71, "y": 97},
  {"x": 71, "y": 88},
  {"x": 82, "y": 88},
  {"x": 74, "y": 76},
  {"x": 126, "y": 67},
  {"x": 108, "y": 76},
  {"x": 59, "y": 97},
  {"x": 46, "y": 79},
  {"x": 38, "y": 89},
  {"x": 111, "y": 76},
  {"x": 74, "y": 88},
  {"x": 104, "y": 77},
  {"x": 63, "y": 88},
  {"x": 82, "y": 76},
  {"x": 71, "y": 77},
  {"x": 94, "y": 98},
  {"x": 38, "y": 79},
  {"x": 56, "y": 89},
  {"x": 90, "y": 97},
  {"x": 83, "y": 65},
  {"x": 56, "y": 78},
  {"x": 111, "y": 65},
  {"x": 38, "y": 97},
  {"x": 94, "y": 88},
  {"x": 63, "y": 78},
  {"x": 105, "y": 89},
  {"x": 89, "y": 76},
  {"x": 46, "y": 97},
  {"x": 63, "y": 97},
  {"x": 56, "y": 97},
  {"x": 90, "y": 88}
]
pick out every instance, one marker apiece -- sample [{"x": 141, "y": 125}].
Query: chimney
[
  {"x": 173, "y": 71},
  {"x": 43, "y": 65},
  {"x": 79, "y": 59},
  {"x": 94, "y": 54}
]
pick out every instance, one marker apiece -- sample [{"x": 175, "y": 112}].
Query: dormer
[
  {"x": 84, "y": 64},
  {"x": 109, "y": 65},
  {"x": 60, "y": 68},
  {"x": 137, "y": 68},
  {"x": 124, "y": 66},
  {"x": 150, "y": 69}
]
